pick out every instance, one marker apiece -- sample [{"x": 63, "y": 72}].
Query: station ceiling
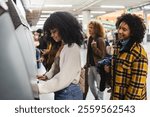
[{"x": 36, "y": 8}]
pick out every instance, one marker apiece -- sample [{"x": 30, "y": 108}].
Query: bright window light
[
  {"x": 106, "y": 6},
  {"x": 58, "y": 5}
]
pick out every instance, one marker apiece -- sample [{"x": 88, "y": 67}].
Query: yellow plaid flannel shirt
[{"x": 129, "y": 77}]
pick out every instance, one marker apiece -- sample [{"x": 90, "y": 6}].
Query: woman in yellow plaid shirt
[{"x": 129, "y": 63}]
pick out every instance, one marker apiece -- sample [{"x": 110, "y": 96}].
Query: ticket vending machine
[{"x": 17, "y": 56}]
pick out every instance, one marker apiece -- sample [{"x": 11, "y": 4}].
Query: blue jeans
[
  {"x": 38, "y": 57},
  {"x": 72, "y": 92}
]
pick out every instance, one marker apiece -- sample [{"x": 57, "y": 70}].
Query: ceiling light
[
  {"x": 98, "y": 12},
  {"x": 45, "y": 16},
  {"x": 107, "y": 6},
  {"x": 42, "y": 19},
  {"x": 146, "y": 7},
  {"x": 35, "y": 5},
  {"x": 39, "y": 26},
  {"x": 92, "y": 16},
  {"x": 48, "y": 11},
  {"x": 40, "y": 22},
  {"x": 58, "y": 5},
  {"x": 74, "y": 9},
  {"x": 81, "y": 16}
]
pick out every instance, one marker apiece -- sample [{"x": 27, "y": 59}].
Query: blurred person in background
[
  {"x": 95, "y": 52},
  {"x": 36, "y": 36},
  {"x": 48, "y": 54}
]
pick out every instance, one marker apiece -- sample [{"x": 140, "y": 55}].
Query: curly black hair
[
  {"x": 69, "y": 28},
  {"x": 136, "y": 25}
]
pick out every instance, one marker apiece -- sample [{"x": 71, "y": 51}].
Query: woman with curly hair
[
  {"x": 63, "y": 77},
  {"x": 130, "y": 63},
  {"x": 96, "y": 51}
]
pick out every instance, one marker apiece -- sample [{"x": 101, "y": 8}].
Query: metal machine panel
[{"x": 17, "y": 59}]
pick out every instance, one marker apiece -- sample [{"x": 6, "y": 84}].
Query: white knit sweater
[{"x": 70, "y": 68}]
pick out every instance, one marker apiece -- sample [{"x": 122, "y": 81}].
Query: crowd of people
[{"x": 122, "y": 67}]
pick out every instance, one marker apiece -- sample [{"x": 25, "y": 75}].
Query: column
[
  {"x": 86, "y": 19},
  {"x": 147, "y": 26}
]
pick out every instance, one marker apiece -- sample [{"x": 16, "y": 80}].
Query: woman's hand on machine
[{"x": 42, "y": 77}]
